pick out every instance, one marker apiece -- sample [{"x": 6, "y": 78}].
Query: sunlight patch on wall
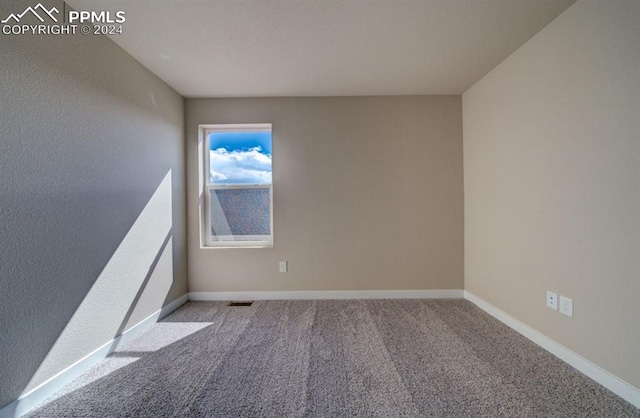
[{"x": 108, "y": 304}]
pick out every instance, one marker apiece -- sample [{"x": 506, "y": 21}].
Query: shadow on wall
[{"x": 133, "y": 284}]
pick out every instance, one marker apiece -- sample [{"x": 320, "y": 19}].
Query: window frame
[{"x": 207, "y": 241}]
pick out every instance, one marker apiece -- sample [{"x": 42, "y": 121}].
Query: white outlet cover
[
  {"x": 566, "y": 306},
  {"x": 552, "y": 300},
  {"x": 283, "y": 267}
]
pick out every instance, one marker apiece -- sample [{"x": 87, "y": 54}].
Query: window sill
[{"x": 235, "y": 247}]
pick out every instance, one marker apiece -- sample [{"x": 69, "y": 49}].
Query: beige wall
[
  {"x": 552, "y": 183},
  {"x": 367, "y": 195},
  {"x": 92, "y": 200}
]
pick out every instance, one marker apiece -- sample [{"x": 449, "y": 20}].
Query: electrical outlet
[
  {"x": 552, "y": 300},
  {"x": 566, "y": 306},
  {"x": 283, "y": 267}
]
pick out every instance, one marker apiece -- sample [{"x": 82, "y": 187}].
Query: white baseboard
[
  {"x": 34, "y": 397},
  {"x": 329, "y": 294},
  {"x": 616, "y": 385},
  {"x": 172, "y": 306}
]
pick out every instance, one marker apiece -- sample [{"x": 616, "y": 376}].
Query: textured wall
[
  {"x": 91, "y": 200},
  {"x": 552, "y": 183},
  {"x": 367, "y": 195}
]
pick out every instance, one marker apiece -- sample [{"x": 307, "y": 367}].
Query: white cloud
[
  {"x": 215, "y": 176},
  {"x": 240, "y": 166}
]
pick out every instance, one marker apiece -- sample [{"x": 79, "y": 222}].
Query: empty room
[{"x": 320, "y": 208}]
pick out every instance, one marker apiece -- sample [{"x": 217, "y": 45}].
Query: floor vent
[{"x": 240, "y": 303}]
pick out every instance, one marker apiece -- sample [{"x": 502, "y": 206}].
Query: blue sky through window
[{"x": 240, "y": 157}]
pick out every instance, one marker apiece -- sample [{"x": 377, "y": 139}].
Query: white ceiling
[{"x": 237, "y": 48}]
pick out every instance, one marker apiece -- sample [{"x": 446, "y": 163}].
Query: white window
[{"x": 238, "y": 189}]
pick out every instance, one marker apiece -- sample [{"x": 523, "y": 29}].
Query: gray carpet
[{"x": 382, "y": 358}]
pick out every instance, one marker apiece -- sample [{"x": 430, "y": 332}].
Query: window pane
[
  {"x": 240, "y": 157},
  {"x": 240, "y": 212},
  {"x": 239, "y": 179}
]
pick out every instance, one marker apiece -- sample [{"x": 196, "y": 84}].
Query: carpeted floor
[{"x": 383, "y": 358}]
